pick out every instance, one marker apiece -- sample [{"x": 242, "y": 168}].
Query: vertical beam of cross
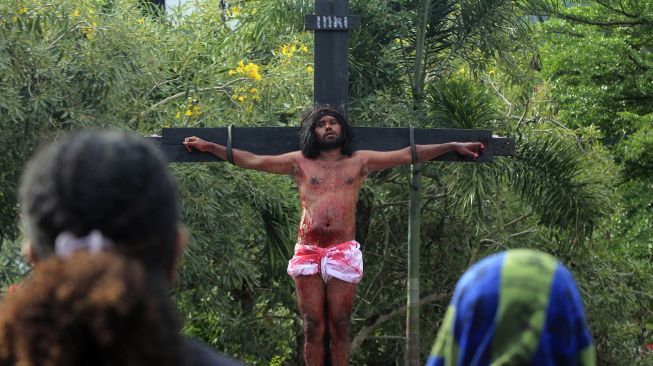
[{"x": 331, "y": 24}]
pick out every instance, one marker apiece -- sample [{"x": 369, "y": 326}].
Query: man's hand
[
  {"x": 197, "y": 143},
  {"x": 473, "y": 149}
]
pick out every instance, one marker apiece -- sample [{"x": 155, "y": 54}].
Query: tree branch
[
  {"x": 379, "y": 319},
  {"x": 520, "y": 218},
  {"x": 588, "y": 21},
  {"x": 177, "y": 96},
  {"x": 621, "y": 11},
  {"x": 488, "y": 80}
]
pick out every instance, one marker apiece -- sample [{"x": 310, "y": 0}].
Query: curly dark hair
[
  {"x": 89, "y": 309},
  {"x": 113, "y": 182},
  {"x": 307, "y": 141}
]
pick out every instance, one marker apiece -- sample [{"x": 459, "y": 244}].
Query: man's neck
[{"x": 330, "y": 155}]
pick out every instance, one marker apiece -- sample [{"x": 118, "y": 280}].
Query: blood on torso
[{"x": 328, "y": 191}]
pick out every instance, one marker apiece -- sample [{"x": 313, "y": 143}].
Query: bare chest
[{"x": 333, "y": 176}]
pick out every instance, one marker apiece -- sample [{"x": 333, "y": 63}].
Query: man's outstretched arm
[
  {"x": 277, "y": 164},
  {"x": 379, "y": 160}
]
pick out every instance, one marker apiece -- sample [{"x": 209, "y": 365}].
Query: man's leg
[
  {"x": 311, "y": 299},
  {"x": 340, "y": 300}
]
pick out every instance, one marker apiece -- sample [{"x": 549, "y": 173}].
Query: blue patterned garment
[{"x": 519, "y": 307}]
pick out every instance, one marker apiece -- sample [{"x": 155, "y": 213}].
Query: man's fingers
[
  {"x": 472, "y": 149},
  {"x": 188, "y": 141}
]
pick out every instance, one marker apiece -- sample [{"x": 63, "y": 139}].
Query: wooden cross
[
  {"x": 279, "y": 140},
  {"x": 331, "y": 23}
]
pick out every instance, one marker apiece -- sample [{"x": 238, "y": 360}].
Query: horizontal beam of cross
[{"x": 279, "y": 140}]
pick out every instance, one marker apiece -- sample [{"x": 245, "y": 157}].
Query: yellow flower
[
  {"x": 253, "y": 90},
  {"x": 304, "y": 49},
  {"x": 241, "y": 98},
  {"x": 189, "y": 113},
  {"x": 75, "y": 13},
  {"x": 89, "y": 31},
  {"x": 288, "y": 50},
  {"x": 250, "y": 70},
  {"x": 22, "y": 10},
  {"x": 178, "y": 115},
  {"x": 141, "y": 21},
  {"x": 309, "y": 69},
  {"x": 235, "y": 11}
]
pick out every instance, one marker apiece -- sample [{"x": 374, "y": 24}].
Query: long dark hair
[{"x": 307, "y": 140}]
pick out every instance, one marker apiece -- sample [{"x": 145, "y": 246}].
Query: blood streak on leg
[{"x": 311, "y": 297}]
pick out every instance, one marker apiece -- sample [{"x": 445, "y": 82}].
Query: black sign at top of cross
[{"x": 331, "y": 24}]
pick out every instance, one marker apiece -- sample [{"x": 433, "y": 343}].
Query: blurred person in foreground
[
  {"x": 519, "y": 307},
  {"x": 101, "y": 218}
]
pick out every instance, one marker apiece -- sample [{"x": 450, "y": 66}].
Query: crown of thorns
[{"x": 324, "y": 111}]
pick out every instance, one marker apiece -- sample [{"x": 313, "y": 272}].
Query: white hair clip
[{"x": 66, "y": 243}]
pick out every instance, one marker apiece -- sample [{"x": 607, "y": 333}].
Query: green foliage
[
  {"x": 95, "y": 63},
  {"x": 597, "y": 62},
  {"x": 562, "y": 183},
  {"x": 458, "y": 104},
  {"x": 12, "y": 265}
]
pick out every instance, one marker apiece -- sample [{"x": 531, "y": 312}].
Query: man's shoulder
[{"x": 199, "y": 354}]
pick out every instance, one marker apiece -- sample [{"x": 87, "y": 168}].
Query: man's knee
[
  {"x": 314, "y": 328},
  {"x": 340, "y": 326}
]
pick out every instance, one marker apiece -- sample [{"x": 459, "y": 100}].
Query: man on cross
[{"x": 328, "y": 263}]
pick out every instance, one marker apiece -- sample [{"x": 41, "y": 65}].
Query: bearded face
[
  {"x": 328, "y": 133},
  {"x": 325, "y": 130},
  {"x": 330, "y": 142}
]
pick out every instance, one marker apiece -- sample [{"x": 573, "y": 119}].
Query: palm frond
[
  {"x": 560, "y": 182},
  {"x": 474, "y": 29},
  {"x": 557, "y": 180},
  {"x": 460, "y": 104}
]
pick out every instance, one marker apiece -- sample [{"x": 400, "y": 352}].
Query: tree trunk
[{"x": 411, "y": 357}]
